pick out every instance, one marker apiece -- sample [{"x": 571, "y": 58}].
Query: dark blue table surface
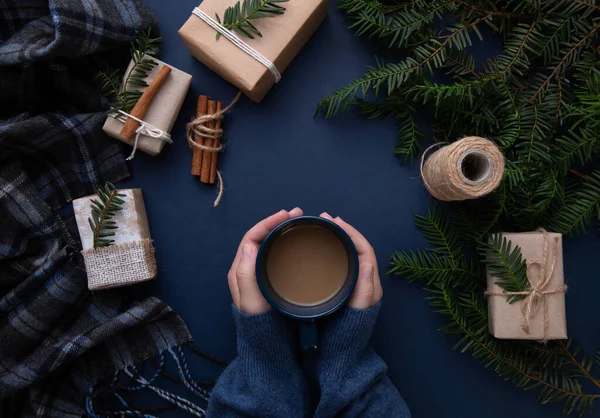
[{"x": 279, "y": 156}]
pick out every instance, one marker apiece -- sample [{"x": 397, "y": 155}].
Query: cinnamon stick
[
  {"x": 215, "y": 143},
  {"x": 198, "y": 153},
  {"x": 144, "y": 102},
  {"x": 206, "y": 156}
]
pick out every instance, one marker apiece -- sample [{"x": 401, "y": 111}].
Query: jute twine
[
  {"x": 466, "y": 169},
  {"x": 119, "y": 265},
  {"x": 538, "y": 286},
  {"x": 198, "y": 127}
]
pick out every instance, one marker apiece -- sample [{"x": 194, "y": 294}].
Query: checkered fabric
[{"x": 57, "y": 339}]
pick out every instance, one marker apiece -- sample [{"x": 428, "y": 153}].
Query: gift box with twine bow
[
  {"x": 282, "y": 39},
  {"x": 540, "y": 312},
  {"x": 161, "y": 114}
]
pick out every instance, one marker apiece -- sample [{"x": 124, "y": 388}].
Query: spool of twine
[{"x": 466, "y": 169}]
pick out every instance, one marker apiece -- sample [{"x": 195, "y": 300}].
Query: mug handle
[{"x": 309, "y": 337}]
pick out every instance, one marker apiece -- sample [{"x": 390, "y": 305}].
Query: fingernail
[
  {"x": 326, "y": 215},
  {"x": 296, "y": 209},
  {"x": 246, "y": 251},
  {"x": 366, "y": 271}
]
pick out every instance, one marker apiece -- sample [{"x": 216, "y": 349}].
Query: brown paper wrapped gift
[
  {"x": 131, "y": 258},
  {"x": 162, "y": 112},
  {"x": 283, "y": 38},
  {"x": 542, "y": 309}
]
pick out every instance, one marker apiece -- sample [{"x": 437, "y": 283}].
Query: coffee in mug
[{"x": 307, "y": 265}]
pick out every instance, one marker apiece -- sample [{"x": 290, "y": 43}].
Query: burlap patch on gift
[{"x": 120, "y": 265}]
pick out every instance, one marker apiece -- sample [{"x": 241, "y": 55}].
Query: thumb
[
  {"x": 362, "y": 297},
  {"x": 251, "y": 299}
]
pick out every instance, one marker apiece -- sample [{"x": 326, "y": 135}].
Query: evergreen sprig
[
  {"x": 109, "y": 202},
  {"x": 239, "y": 16},
  {"x": 539, "y": 101},
  {"x": 506, "y": 264},
  {"x": 124, "y": 94}
]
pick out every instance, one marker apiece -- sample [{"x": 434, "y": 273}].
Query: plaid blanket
[{"x": 57, "y": 339}]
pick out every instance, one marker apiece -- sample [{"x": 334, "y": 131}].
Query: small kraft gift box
[
  {"x": 540, "y": 312},
  {"x": 161, "y": 114},
  {"x": 130, "y": 258},
  {"x": 252, "y": 65}
]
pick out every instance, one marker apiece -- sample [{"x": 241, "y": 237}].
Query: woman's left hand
[{"x": 368, "y": 290}]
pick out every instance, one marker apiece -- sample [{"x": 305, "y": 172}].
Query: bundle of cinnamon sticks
[{"x": 204, "y": 162}]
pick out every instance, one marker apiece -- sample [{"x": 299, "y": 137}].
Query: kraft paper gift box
[
  {"x": 283, "y": 38},
  {"x": 131, "y": 258},
  {"x": 162, "y": 112},
  {"x": 507, "y": 321}
]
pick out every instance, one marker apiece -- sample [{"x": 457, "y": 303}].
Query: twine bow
[
  {"x": 535, "y": 295},
  {"x": 145, "y": 128}
]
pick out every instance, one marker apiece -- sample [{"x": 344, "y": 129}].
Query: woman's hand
[
  {"x": 368, "y": 290},
  {"x": 242, "y": 274}
]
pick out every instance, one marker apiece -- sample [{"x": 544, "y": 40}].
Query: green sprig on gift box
[
  {"x": 104, "y": 209},
  {"x": 238, "y": 17},
  {"x": 123, "y": 94},
  {"x": 538, "y": 100}
]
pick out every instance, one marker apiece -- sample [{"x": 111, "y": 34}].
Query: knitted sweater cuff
[
  {"x": 346, "y": 336},
  {"x": 265, "y": 342}
]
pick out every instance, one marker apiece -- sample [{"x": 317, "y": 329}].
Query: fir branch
[
  {"x": 239, "y": 16},
  {"x": 109, "y": 83},
  {"x": 558, "y": 67},
  {"x": 143, "y": 45},
  {"x": 422, "y": 265},
  {"x": 355, "y": 7},
  {"x": 409, "y": 134},
  {"x": 399, "y": 26},
  {"x": 104, "y": 208},
  {"x": 560, "y": 34},
  {"x": 486, "y": 12},
  {"x": 408, "y": 139},
  {"x": 574, "y": 148},
  {"x": 123, "y": 96},
  {"x": 460, "y": 63},
  {"x": 518, "y": 50},
  {"x": 472, "y": 225},
  {"x": 456, "y": 39},
  {"x": 390, "y": 75},
  {"x": 585, "y": 370},
  {"x": 437, "y": 231},
  {"x": 579, "y": 210},
  {"x": 394, "y": 76},
  {"x": 549, "y": 194},
  {"x": 592, "y": 5},
  {"x": 505, "y": 264}
]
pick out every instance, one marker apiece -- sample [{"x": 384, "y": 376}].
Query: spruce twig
[
  {"x": 124, "y": 95},
  {"x": 239, "y": 16},
  {"x": 104, "y": 208}
]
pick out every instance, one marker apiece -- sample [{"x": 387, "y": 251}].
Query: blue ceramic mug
[{"x": 307, "y": 314}]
